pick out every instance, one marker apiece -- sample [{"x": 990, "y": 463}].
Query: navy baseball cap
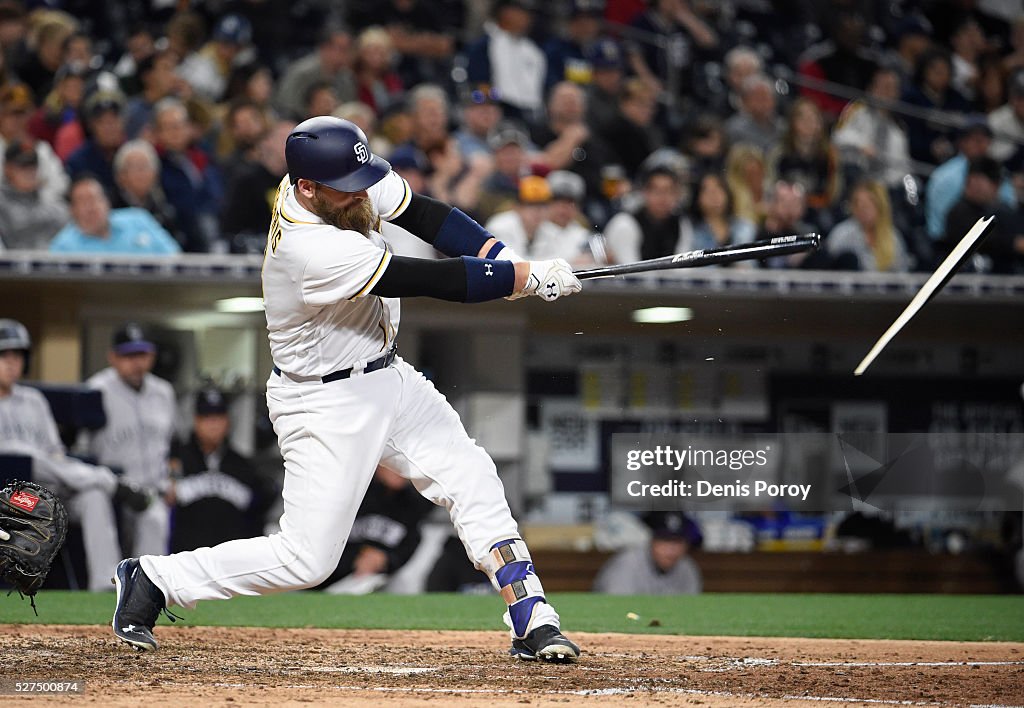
[
  {"x": 131, "y": 339},
  {"x": 605, "y": 54},
  {"x": 408, "y": 157},
  {"x": 233, "y": 29},
  {"x": 673, "y": 525},
  {"x": 211, "y": 401}
]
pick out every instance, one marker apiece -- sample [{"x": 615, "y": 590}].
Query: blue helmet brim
[{"x": 365, "y": 177}]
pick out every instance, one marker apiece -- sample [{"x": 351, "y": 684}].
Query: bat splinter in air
[{"x": 930, "y": 289}]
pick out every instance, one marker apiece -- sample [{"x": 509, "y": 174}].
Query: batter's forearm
[{"x": 465, "y": 279}]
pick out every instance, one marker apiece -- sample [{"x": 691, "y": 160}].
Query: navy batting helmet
[
  {"x": 333, "y": 152},
  {"x": 13, "y": 335}
]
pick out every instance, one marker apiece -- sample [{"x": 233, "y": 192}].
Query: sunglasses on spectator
[{"x": 479, "y": 96}]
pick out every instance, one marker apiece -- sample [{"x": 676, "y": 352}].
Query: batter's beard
[{"x": 359, "y": 216}]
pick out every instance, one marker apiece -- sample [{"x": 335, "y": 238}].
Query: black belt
[{"x": 375, "y": 365}]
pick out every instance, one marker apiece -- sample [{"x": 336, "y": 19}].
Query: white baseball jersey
[
  {"x": 27, "y": 425},
  {"x": 316, "y": 284},
  {"x": 140, "y": 425}
]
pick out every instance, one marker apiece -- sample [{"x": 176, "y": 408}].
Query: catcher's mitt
[{"x": 35, "y": 523}]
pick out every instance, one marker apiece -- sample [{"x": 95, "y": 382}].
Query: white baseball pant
[{"x": 332, "y": 437}]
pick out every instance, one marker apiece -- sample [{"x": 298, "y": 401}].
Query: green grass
[{"x": 951, "y": 617}]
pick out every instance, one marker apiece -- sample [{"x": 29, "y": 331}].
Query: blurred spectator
[
  {"x": 740, "y": 64},
  {"x": 420, "y": 32},
  {"x": 377, "y": 82},
  {"x": 1007, "y": 123},
  {"x": 670, "y": 58},
  {"x": 137, "y": 176},
  {"x": 508, "y": 59},
  {"x": 384, "y": 535},
  {"x": 871, "y": 143},
  {"x": 185, "y": 33},
  {"x": 931, "y": 140},
  {"x": 607, "y": 73},
  {"x": 29, "y": 217},
  {"x": 566, "y": 141},
  {"x": 968, "y": 42},
  {"x": 481, "y": 112},
  {"x": 251, "y": 191},
  {"x": 661, "y": 567},
  {"x": 713, "y": 221},
  {"x": 1015, "y": 59},
  {"x": 563, "y": 234},
  {"x": 243, "y": 127},
  {"x": 841, "y": 60},
  {"x": 188, "y": 176},
  {"x": 450, "y": 177},
  {"x": 138, "y": 45},
  {"x": 632, "y": 136},
  {"x": 745, "y": 173},
  {"x": 567, "y": 53},
  {"x": 806, "y": 157},
  {"x": 992, "y": 84},
  {"x": 60, "y": 107},
  {"x": 786, "y": 206},
  {"x": 16, "y": 108},
  {"x": 757, "y": 123},
  {"x": 656, "y": 229},
  {"x": 207, "y": 70},
  {"x": 868, "y": 240},
  {"x": 412, "y": 165},
  {"x": 518, "y": 227},
  {"x": 159, "y": 80},
  {"x": 331, "y": 61},
  {"x": 141, "y": 411},
  {"x": 321, "y": 100},
  {"x": 946, "y": 183},
  {"x": 1003, "y": 247},
  {"x": 45, "y": 55},
  {"x": 79, "y": 51},
  {"x": 217, "y": 494},
  {"x": 252, "y": 82},
  {"x": 704, "y": 142},
  {"x": 501, "y": 187},
  {"x": 94, "y": 228},
  {"x": 13, "y": 32},
  {"x": 913, "y": 37},
  {"x": 27, "y": 427},
  {"x": 104, "y": 120}
]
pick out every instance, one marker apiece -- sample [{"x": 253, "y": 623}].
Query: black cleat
[
  {"x": 545, "y": 643},
  {"x": 139, "y": 603}
]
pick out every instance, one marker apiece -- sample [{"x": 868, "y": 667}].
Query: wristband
[{"x": 488, "y": 280}]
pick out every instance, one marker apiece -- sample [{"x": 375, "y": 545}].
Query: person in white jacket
[{"x": 869, "y": 138}]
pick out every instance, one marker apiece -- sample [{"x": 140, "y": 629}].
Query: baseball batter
[{"x": 342, "y": 401}]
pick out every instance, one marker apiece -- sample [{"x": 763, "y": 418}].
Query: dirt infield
[{"x": 220, "y": 666}]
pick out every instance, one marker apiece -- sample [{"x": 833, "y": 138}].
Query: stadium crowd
[{"x": 594, "y": 130}]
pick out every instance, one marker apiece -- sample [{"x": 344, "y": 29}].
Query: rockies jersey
[
  {"x": 140, "y": 425},
  {"x": 316, "y": 285},
  {"x": 26, "y": 424}
]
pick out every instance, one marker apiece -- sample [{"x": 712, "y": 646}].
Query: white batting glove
[
  {"x": 550, "y": 280},
  {"x": 507, "y": 254},
  {"x": 4, "y": 536}
]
